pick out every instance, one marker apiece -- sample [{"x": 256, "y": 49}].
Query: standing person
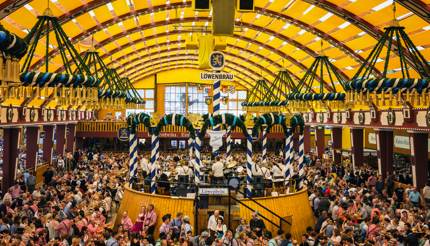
[
  {"x": 221, "y": 228},
  {"x": 138, "y": 225},
  {"x": 229, "y": 240},
  {"x": 287, "y": 241},
  {"x": 165, "y": 226},
  {"x": 218, "y": 171},
  {"x": 212, "y": 223},
  {"x": 256, "y": 224},
  {"x": 31, "y": 182},
  {"x": 414, "y": 197},
  {"x": 175, "y": 226},
  {"x": 150, "y": 220},
  {"x": 426, "y": 194}
]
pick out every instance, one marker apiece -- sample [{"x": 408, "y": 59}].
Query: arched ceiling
[{"x": 139, "y": 37}]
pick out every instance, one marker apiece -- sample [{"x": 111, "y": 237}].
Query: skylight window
[
  {"x": 303, "y": 31},
  {"x": 382, "y": 5},
  {"x": 286, "y": 26},
  {"x": 28, "y": 7},
  {"x": 326, "y": 17},
  {"x": 308, "y": 9},
  {"x": 129, "y": 3},
  {"x": 344, "y": 25},
  {"x": 109, "y": 6}
]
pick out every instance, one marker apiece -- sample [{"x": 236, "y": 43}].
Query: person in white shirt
[
  {"x": 184, "y": 170},
  {"x": 145, "y": 166},
  {"x": 278, "y": 174},
  {"x": 212, "y": 223},
  {"x": 256, "y": 170},
  {"x": 218, "y": 171}
]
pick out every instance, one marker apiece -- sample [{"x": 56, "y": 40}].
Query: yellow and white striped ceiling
[{"x": 141, "y": 37}]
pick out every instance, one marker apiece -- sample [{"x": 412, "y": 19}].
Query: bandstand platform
[{"x": 289, "y": 212}]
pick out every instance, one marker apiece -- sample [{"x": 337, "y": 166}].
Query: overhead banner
[
  {"x": 215, "y": 138},
  {"x": 216, "y": 76}
]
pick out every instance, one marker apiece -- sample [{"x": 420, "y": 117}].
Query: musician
[
  {"x": 278, "y": 172},
  {"x": 266, "y": 175},
  {"x": 184, "y": 170},
  {"x": 218, "y": 171},
  {"x": 145, "y": 166}
]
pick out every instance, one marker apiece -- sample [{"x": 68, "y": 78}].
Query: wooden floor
[{"x": 293, "y": 207}]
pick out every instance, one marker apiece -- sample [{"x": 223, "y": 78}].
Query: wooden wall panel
[
  {"x": 295, "y": 205},
  {"x": 133, "y": 200}
]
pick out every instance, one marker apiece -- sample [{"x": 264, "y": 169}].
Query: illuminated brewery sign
[{"x": 216, "y": 76}]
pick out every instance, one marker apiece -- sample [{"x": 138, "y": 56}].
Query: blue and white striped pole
[
  {"x": 249, "y": 163},
  {"x": 264, "y": 154},
  {"x": 287, "y": 153},
  {"x": 216, "y": 110},
  {"x": 301, "y": 159},
  {"x": 191, "y": 147},
  {"x": 197, "y": 160},
  {"x": 133, "y": 155},
  {"x": 154, "y": 156},
  {"x": 229, "y": 143}
]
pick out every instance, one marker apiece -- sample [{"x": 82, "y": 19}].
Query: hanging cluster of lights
[
  {"x": 394, "y": 86},
  {"x": 74, "y": 86},
  {"x": 12, "y": 48},
  {"x": 114, "y": 92},
  {"x": 270, "y": 99}
]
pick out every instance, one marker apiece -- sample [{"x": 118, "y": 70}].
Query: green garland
[
  {"x": 180, "y": 120},
  {"x": 135, "y": 119},
  {"x": 271, "y": 119},
  {"x": 230, "y": 120}
]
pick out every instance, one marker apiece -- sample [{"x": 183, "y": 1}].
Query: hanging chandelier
[
  {"x": 405, "y": 72},
  {"x": 72, "y": 87}
]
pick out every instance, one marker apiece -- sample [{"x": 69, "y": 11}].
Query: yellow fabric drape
[{"x": 206, "y": 46}]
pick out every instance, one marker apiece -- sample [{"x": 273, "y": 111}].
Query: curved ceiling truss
[{"x": 264, "y": 23}]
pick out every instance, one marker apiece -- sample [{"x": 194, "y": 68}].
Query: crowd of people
[{"x": 77, "y": 204}]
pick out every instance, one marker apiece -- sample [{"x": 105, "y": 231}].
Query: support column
[
  {"x": 31, "y": 136},
  {"x": 384, "y": 150},
  {"x": 319, "y": 141},
  {"x": 307, "y": 138},
  {"x": 70, "y": 138},
  {"x": 336, "y": 138},
  {"x": 357, "y": 147},
  {"x": 10, "y": 155},
  {"x": 419, "y": 161},
  {"x": 48, "y": 143},
  {"x": 60, "y": 137}
]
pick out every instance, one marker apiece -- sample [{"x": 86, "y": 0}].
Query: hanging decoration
[
  {"x": 320, "y": 72},
  {"x": 12, "y": 49},
  {"x": 405, "y": 50},
  {"x": 175, "y": 120},
  {"x": 73, "y": 86},
  {"x": 114, "y": 92},
  {"x": 405, "y": 73},
  {"x": 268, "y": 120}
]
